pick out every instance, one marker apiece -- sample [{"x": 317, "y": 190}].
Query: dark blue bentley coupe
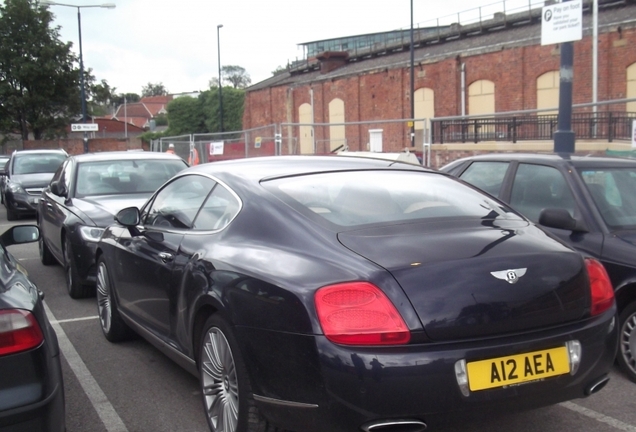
[{"x": 339, "y": 294}]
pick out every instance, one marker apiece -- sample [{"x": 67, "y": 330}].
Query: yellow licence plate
[{"x": 515, "y": 369}]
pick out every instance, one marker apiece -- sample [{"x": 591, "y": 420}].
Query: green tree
[
  {"x": 151, "y": 89},
  {"x": 185, "y": 116},
  {"x": 279, "y": 69},
  {"x": 129, "y": 98},
  {"x": 39, "y": 85},
  {"x": 161, "y": 120},
  {"x": 236, "y": 75},
  {"x": 214, "y": 82},
  {"x": 101, "y": 97},
  {"x": 233, "y": 103}
]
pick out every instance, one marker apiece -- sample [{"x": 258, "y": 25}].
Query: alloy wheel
[
  {"x": 628, "y": 342},
  {"x": 103, "y": 298},
  {"x": 219, "y": 382}
]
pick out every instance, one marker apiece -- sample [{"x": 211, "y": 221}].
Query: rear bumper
[
  {"x": 321, "y": 386},
  {"x": 33, "y": 400}
]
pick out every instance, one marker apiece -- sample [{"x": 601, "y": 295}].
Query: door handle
[{"x": 166, "y": 257}]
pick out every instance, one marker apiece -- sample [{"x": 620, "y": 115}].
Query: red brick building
[{"x": 494, "y": 66}]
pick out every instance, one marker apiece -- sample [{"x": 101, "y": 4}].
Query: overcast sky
[{"x": 174, "y": 42}]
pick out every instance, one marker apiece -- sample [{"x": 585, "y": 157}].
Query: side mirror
[
  {"x": 128, "y": 217},
  {"x": 20, "y": 234},
  {"x": 59, "y": 189},
  {"x": 560, "y": 218}
]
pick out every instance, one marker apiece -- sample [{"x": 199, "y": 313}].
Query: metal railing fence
[{"x": 606, "y": 125}]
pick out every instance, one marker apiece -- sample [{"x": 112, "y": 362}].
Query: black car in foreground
[
  {"x": 338, "y": 293},
  {"x": 31, "y": 386},
  {"x": 588, "y": 202},
  {"x": 26, "y": 174},
  {"x": 82, "y": 199}
]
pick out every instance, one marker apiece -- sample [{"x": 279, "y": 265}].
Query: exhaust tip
[
  {"x": 404, "y": 425},
  {"x": 596, "y": 386}
]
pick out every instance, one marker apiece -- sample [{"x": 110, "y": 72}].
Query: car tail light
[
  {"x": 358, "y": 313},
  {"x": 19, "y": 331},
  {"x": 600, "y": 287}
]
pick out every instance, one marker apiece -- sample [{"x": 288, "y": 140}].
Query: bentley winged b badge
[{"x": 511, "y": 276}]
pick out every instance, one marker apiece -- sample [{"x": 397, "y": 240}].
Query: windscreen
[
  {"x": 124, "y": 176},
  {"x": 37, "y": 163},
  {"x": 364, "y": 197}
]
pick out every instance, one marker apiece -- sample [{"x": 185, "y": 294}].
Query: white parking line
[
  {"x": 73, "y": 319},
  {"x": 617, "y": 424},
  {"x": 103, "y": 407}
]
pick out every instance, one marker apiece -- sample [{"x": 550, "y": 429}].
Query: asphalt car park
[{"x": 132, "y": 386}]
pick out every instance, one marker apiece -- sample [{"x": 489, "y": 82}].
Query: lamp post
[
  {"x": 412, "y": 89},
  {"x": 81, "y": 58},
  {"x": 218, "y": 42}
]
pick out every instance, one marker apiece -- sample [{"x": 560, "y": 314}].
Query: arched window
[
  {"x": 337, "y": 139},
  {"x": 481, "y": 97},
  {"x": 424, "y": 101},
  {"x": 548, "y": 92},
  {"x": 631, "y": 87},
  {"x": 306, "y": 132}
]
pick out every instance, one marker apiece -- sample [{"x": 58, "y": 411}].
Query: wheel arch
[
  {"x": 625, "y": 295},
  {"x": 201, "y": 316}
]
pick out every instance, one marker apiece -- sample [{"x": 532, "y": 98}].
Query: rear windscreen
[{"x": 363, "y": 197}]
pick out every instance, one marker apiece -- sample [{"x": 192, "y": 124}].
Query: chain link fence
[
  {"x": 374, "y": 136},
  {"x": 303, "y": 139},
  {"x": 211, "y": 147}
]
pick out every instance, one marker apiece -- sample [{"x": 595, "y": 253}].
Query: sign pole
[
  {"x": 564, "y": 135},
  {"x": 562, "y": 23}
]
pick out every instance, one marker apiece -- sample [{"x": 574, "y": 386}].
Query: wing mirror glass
[
  {"x": 128, "y": 217},
  {"x": 20, "y": 234}
]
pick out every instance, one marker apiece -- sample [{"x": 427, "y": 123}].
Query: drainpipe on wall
[
  {"x": 595, "y": 60},
  {"x": 463, "y": 88},
  {"x": 313, "y": 135}
]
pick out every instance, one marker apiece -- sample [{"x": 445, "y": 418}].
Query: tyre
[
  {"x": 113, "y": 327},
  {"x": 75, "y": 289},
  {"x": 227, "y": 395},
  {"x": 46, "y": 257},
  {"x": 11, "y": 215},
  {"x": 627, "y": 342}
]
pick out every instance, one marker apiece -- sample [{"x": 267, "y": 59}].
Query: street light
[
  {"x": 412, "y": 89},
  {"x": 81, "y": 58},
  {"x": 218, "y": 41}
]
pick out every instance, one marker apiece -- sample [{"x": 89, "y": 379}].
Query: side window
[
  {"x": 66, "y": 174},
  {"x": 487, "y": 176},
  {"x": 176, "y": 205},
  {"x": 59, "y": 172},
  {"x": 537, "y": 187},
  {"x": 63, "y": 174},
  {"x": 219, "y": 209}
]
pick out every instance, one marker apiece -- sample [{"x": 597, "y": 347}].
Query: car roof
[
  {"x": 39, "y": 151},
  {"x": 261, "y": 168},
  {"x": 556, "y": 159},
  {"x": 123, "y": 155}
]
